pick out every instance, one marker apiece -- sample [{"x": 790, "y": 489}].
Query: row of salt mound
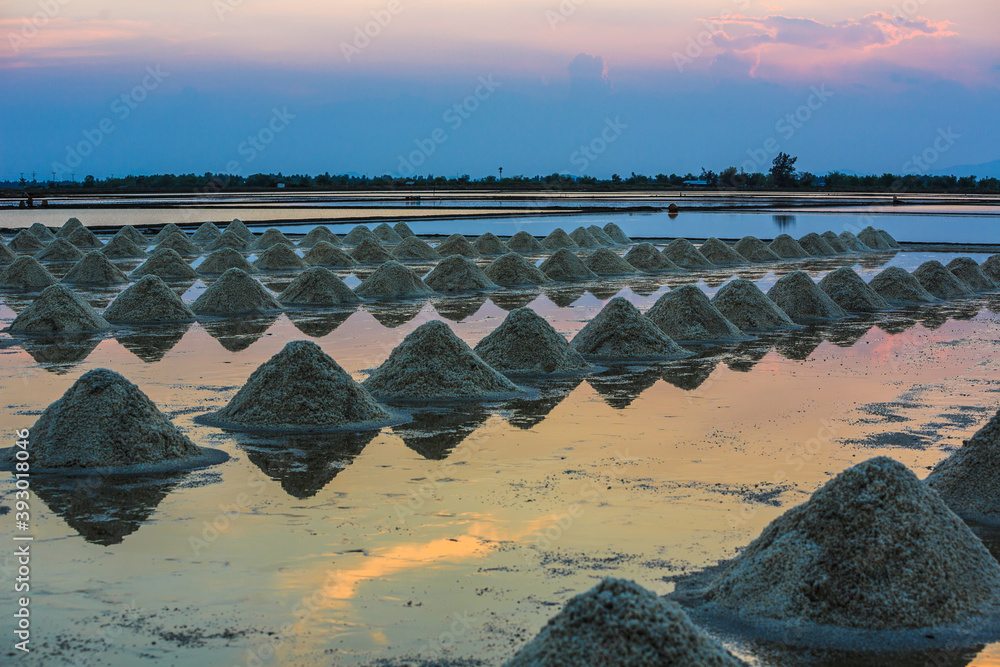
[
  {"x": 852, "y": 242},
  {"x": 370, "y": 251},
  {"x": 403, "y": 229},
  {"x": 279, "y": 257},
  {"x": 645, "y": 257},
  {"x": 414, "y": 248},
  {"x": 26, "y": 274},
  {"x": 358, "y": 234},
  {"x": 392, "y": 280},
  {"x": 326, "y": 254},
  {"x": 899, "y": 287},
  {"x": 558, "y": 238},
  {"x": 755, "y": 250},
  {"x": 58, "y": 309},
  {"x": 513, "y": 270},
  {"x": 525, "y": 344},
  {"x": 229, "y": 239},
  {"x": 42, "y": 233},
  {"x": 687, "y": 315},
  {"x": 606, "y": 262},
  {"x": 235, "y": 293},
  {"x": 563, "y": 265},
  {"x": 971, "y": 274},
  {"x": 601, "y": 235},
  {"x": 121, "y": 246},
  {"x": 456, "y": 244},
  {"x": 742, "y": 303},
  {"x": 803, "y": 300},
  {"x": 149, "y": 300},
  {"x": 851, "y": 292},
  {"x": 26, "y": 242},
  {"x": 59, "y": 250},
  {"x": 317, "y": 286},
  {"x": 386, "y": 234},
  {"x": 166, "y": 264},
  {"x": 877, "y": 239},
  {"x": 583, "y": 238},
  {"x": 490, "y": 244},
  {"x": 816, "y": 245},
  {"x": 785, "y": 247},
  {"x": 684, "y": 254},
  {"x": 616, "y": 234},
  {"x": 458, "y": 274},
  {"x": 718, "y": 252},
  {"x": 523, "y": 242},
  {"x": 179, "y": 243},
  {"x": 317, "y": 234},
  {"x": 835, "y": 242},
  {"x": 968, "y": 481},
  {"x": 166, "y": 231},
  {"x": 222, "y": 260},
  {"x": 69, "y": 227},
  {"x": 95, "y": 269},
  {"x": 621, "y": 332},
  {"x": 269, "y": 238},
  {"x": 206, "y": 233},
  {"x": 939, "y": 281}
]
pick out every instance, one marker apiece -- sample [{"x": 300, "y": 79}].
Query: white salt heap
[
  {"x": 526, "y": 344},
  {"x": 95, "y": 269},
  {"x": 6, "y": 256},
  {"x": 84, "y": 238},
  {"x": 755, "y": 250},
  {"x": 968, "y": 481},
  {"x": 803, "y": 300},
  {"x": 456, "y": 244},
  {"x": 180, "y": 243},
  {"x": 206, "y": 233},
  {"x": 69, "y": 227},
  {"x": 835, "y": 242},
  {"x": 269, "y": 238},
  {"x": 239, "y": 229},
  {"x": 616, "y": 234},
  {"x": 939, "y": 281},
  {"x": 149, "y": 300},
  {"x": 279, "y": 257},
  {"x": 606, "y": 262},
  {"x": 785, "y": 247},
  {"x": 386, "y": 234},
  {"x": 968, "y": 271},
  {"x": 621, "y": 624},
  {"x": 873, "y": 239},
  {"x": 42, "y": 233},
  {"x": 60, "y": 250},
  {"x": 25, "y": 241},
  {"x": 317, "y": 286},
  {"x": 621, "y": 332},
  {"x": 513, "y": 270},
  {"x": 991, "y": 267},
  {"x": 564, "y": 265},
  {"x": 853, "y": 242},
  {"x": 166, "y": 231},
  {"x": 236, "y": 292},
  {"x": 558, "y": 238},
  {"x": 683, "y": 253},
  {"x": 524, "y": 242},
  {"x": 720, "y": 253},
  {"x": 490, "y": 244},
  {"x": 358, "y": 234},
  {"x": 370, "y": 251},
  {"x": 392, "y": 280},
  {"x": 414, "y": 248},
  {"x": 897, "y": 286},
  {"x": 317, "y": 234},
  {"x": 601, "y": 235},
  {"x": 645, "y": 257},
  {"x": 742, "y": 303},
  {"x": 816, "y": 245},
  {"x": 58, "y": 309},
  {"x": 122, "y": 247},
  {"x": 229, "y": 239},
  {"x": 458, "y": 274},
  {"x": 222, "y": 260},
  {"x": 326, "y": 254},
  {"x": 851, "y": 292},
  {"x": 166, "y": 264},
  {"x": 26, "y": 274},
  {"x": 687, "y": 315},
  {"x": 402, "y": 229},
  {"x": 584, "y": 238},
  {"x": 134, "y": 235}
]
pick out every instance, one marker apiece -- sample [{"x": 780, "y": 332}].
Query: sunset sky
[{"x": 119, "y": 87}]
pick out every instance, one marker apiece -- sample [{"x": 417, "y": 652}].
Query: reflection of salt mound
[
  {"x": 456, "y": 244},
  {"x": 25, "y": 241},
  {"x": 616, "y": 234},
  {"x": 122, "y": 247},
  {"x": 166, "y": 231},
  {"x": 525, "y": 343},
  {"x": 149, "y": 300},
  {"x": 683, "y": 253},
  {"x": 512, "y": 269},
  {"x": 872, "y": 549},
  {"x": 392, "y": 280},
  {"x": 621, "y": 624},
  {"x": 222, "y": 260},
  {"x": 301, "y": 389},
  {"x": 279, "y": 257},
  {"x": 939, "y": 281},
  {"x": 564, "y": 265},
  {"x": 687, "y": 315},
  {"x": 524, "y": 242},
  {"x": 84, "y": 238},
  {"x": 967, "y": 270},
  {"x": 755, "y": 250},
  {"x": 851, "y": 292},
  {"x": 370, "y": 251},
  {"x": 490, "y": 244},
  {"x": 785, "y": 247},
  {"x": 742, "y": 303},
  {"x": 166, "y": 264},
  {"x": 58, "y": 309},
  {"x": 358, "y": 234},
  {"x": 317, "y": 234},
  {"x": 239, "y": 229},
  {"x": 270, "y": 238},
  {"x": 206, "y": 233},
  {"x": 835, "y": 242},
  {"x": 719, "y": 252},
  {"x": 458, "y": 274},
  {"x": 645, "y": 257},
  {"x": 620, "y": 331},
  {"x": 229, "y": 239},
  {"x": 60, "y": 250},
  {"x": 606, "y": 262},
  {"x": 897, "y": 286},
  {"x": 386, "y": 234},
  {"x": 235, "y": 293},
  {"x": 816, "y": 245},
  {"x": 403, "y": 230},
  {"x": 852, "y": 242},
  {"x": 803, "y": 300},
  {"x": 968, "y": 481},
  {"x": 69, "y": 227},
  {"x": 26, "y": 274},
  {"x": 317, "y": 286},
  {"x": 601, "y": 235},
  {"x": 180, "y": 243},
  {"x": 558, "y": 238},
  {"x": 326, "y": 254},
  {"x": 433, "y": 363},
  {"x": 42, "y": 233},
  {"x": 584, "y": 238},
  {"x": 412, "y": 247},
  {"x": 874, "y": 239},
  {"x": 95, "y": 269},
  {"x": 991, "y": 267}
]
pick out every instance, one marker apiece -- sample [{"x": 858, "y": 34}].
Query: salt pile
[
  {"x": 620, "y": 331},
  {"x": 25, "y": 241},
  {"x": 317, "y": 286},
  {"x": 358, "y": 234},
  {"x": 58, "y": 309},
  {"x": 317, "y": 234},
  {"x": 785, "y": 247},
  {"x": 606, "y": 262},
  {"x": 133, "y": 234},
  {"x": 42, "y": 233},
  {"x": 392, "y": 280},
  {"x": 206, "y": 233},
  {"x": 121, "y": 247},
  {"x": 302, "y": 389},
  {"x": 229, "y": 239},
  {"x": 412, "y": 247},
  {"x": 968, "y": 481},
  {"x": 564, "y": 265},
  {"x": 95, "y": 269},
  {"x": 645, "y": 257},
  {"x": 816, "y": 245},
  {"x": 26, "y": 274},
  {"x": 490, "y": 244},
  {"x": 6, "y": 256},
  {"x": 166, "y": 231},
  {"x": 386, "y": 234},
  {"x": 269, "y": 238},
  {"x": 853, "y": 243},
  {"x": 835, "y": 242},
  {"x": 239, "y": 229},
  {"x": 720, "y": 253},
  {"x": 456, "y": 244},
  {"x": 851, "y": 292},
  {"x": 402, "y": 229},
  {"x": 69, "y": 227},
  {"x": 742, "y": 303},
  {"x": 991, "y": 267},
  {"x": 687, "y": 315},
  {"x": 616, "y": 234},
  {"x": 166, "y": 264},
  {"x": 279, "y": 257},
  {"x": 222, "y": 260},
  {"x": 683, "y": 253},
  {"x": 897, "y": 286},
  {"x": 149, "y": 300},
  {"x": 60, "y": 250},
  {"x": 526, "y": 344},
  {"x": 755, "y": 250},
  {"x": 803, "y": 300},
  {"x": 235, "y": 293},
  {"x": 458, "y": 274},
  {"x": 601, "y": 235},
  {"x": 873, "y": 548},
  {"x": 326, "y": 254},
  {"x": 967, "y": 270},
  {"x": 873, "y": 239},
  {"x": 524, "y": 242},
  {"x": 512, "y": 270},
  {"x": 939, "y": 281},
  {"x": 889, "y": 239},
  {"x": 370, "y": 251},
  {"x": 180, "y": 243},
  {"x": 621, "y": 624},
  {"x": 84, "y": 238},
  {"x": 558, "y": 238},
  {"x": 583, "y": 238},
  {"x": 432, "y": 363}
]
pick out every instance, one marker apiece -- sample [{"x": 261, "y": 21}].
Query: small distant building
[
  {"x": 697, "y": 183},
  {"x": 280, "y": 186}
]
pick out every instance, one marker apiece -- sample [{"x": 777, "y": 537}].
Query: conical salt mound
[
  {"x": 84, "y": 238},
  {"x": 564, "y": 265},
  {"x": 180, "y": 243},
  {"x": 755, "y": 250},
  {"x": 683, "y": 253},
  {"x": 458, "y": 274},
  {"x": 25, "y": 241},
  {"x": 621, "y": 624},
  {"x": 122, "y": 247},
  {"x": 302, "y": 389},
  {"x": 525, "y": 243},
  {"x": 991, "y": 267},
  {"x": 456, "y": 244},
  {"x": 95, "y": 269},
  {"x": 317, "y": 234},
  {"x": 897, "y": 286},
  {"x": 206, "y": 233},
  {"x": 386, "y": 234},
  {"x": 526, "y": 344},
  {"x": 687, "y": 315},
  {"x": 6, "y": 256},
  {"x": 392, "y": 280},
  {"x": 42, "y": 233},
  {"x": 279, "y": 257},
  {"x": 58, "y": 309},
  {"x": 742, "y": 303},
  {"x": 166, "y": 264},
  {"x": 853, "y": 242},
  {"x": 720, "y": 253},
  {"x": 621, "y": 332},
  {"x": 967, "y": 270},
  {"x": 871, "y": 238},
  {"x": 26, "y": 274},
  {"x": 558, "y": 238},
  {"x": 490, "y": 244},
  {"x": 584, "y": 238},
  {"x": 358, "y": 234},
  {"x": 616, "y": 234},
  {"x": 370, "y": 251},
  {"x": 414, "y": 248},
  {"x": 645, "y": 257},
  {"x": 60, "y": 250},
  {"x": 69, "y": 227},
  {"x": 402, "y": 229},
  {"x": 222, "y": 260},
  {"x": 835, "y": 242},
  {"x": 606, "y": 262},
  {"x": 239, "y": 229},
  {"x": 888, "y": 238},
  {"x": 851, "y": 292},
  {"x": 432, "y": 363},
  {"x": 134, "y": 235},
  {"x": 968, "y": 481},
  {"x": 816, "y": 245},
  {"x": 317, "y": 286},
  {"x": 514, "y": 270},
  {"x": 166, "y": 231},
  {"x": 872, "y": 549},
  {"x": 229, "y": 239},
  {"x": 803, "y": 300},
  {"x": 149, "y": 300},
  {"x": 269, "y": 238},
  {"x": 785, "y": 247},
  {"x": 601, "y": 235},
  {"x": 327, "y": 254},
  {"x": 939, "y": 281},
  {"x": 235, "y": 293}
]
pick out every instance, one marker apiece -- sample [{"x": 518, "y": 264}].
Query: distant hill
[{"x": 984, "y": 170}]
